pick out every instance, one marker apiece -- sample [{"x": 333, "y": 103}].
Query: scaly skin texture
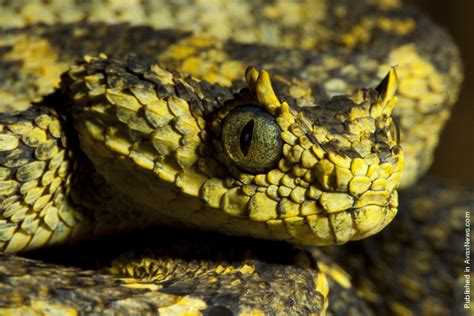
[
  {"x": 135, "y": 141},
  {"x": 348, "y": 49},
  {"x": 416, "y": 266},
  {"x": 222, "y": 276},
  {"x": 336, "y": 180},
  {"x": 311, "y": 196},
  {"x": 433, "y": 279}
]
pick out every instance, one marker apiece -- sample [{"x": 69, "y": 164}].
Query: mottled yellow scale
[
  {"x": 36, "y": 214},
  {"x": 329, "y": 186}
]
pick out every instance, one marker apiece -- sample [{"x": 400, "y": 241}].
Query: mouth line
[{"x": 351, "y": 227}]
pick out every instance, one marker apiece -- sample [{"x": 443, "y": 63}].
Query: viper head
[
  {"x": 182, "y": 150},
  {"x": 326, "y": 173}
]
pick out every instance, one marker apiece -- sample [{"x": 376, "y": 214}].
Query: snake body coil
[{"x": 290, "y": 129}]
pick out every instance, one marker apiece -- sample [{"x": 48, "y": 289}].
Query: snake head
[
  {"x": 182, "y": 151},
  {"x": 325, "y": 174}
]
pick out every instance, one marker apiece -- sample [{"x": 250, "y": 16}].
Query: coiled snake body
[{"x": 264, "y": 119}]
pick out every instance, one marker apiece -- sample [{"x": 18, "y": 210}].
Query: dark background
[{"x": 454, "y": 159}]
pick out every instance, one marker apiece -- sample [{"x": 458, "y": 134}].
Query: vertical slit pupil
[{"x": 246, "y": 137}]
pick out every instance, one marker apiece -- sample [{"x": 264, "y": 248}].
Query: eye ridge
[{"x": 246, "y": 137}]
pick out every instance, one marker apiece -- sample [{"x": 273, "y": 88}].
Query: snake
[{"x": 128, "y": 126}]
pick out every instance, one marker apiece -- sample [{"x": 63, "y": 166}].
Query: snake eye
[
  {"x": 394, "y": 131},
  {"x": 251, "y": 139}
]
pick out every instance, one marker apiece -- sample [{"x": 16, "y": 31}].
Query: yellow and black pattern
[
  {"x": 179, "y": 273},
  {"x": 313, "y": 194},
  {"x": 335, "y": 179},
  {"x": 37, "y": 166},
  {"x": 327, "y": 48},
  {"x": 271, "y": 119},
  {"x": 415, "y": 266},
  {"x": 430, "y": 271}
]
